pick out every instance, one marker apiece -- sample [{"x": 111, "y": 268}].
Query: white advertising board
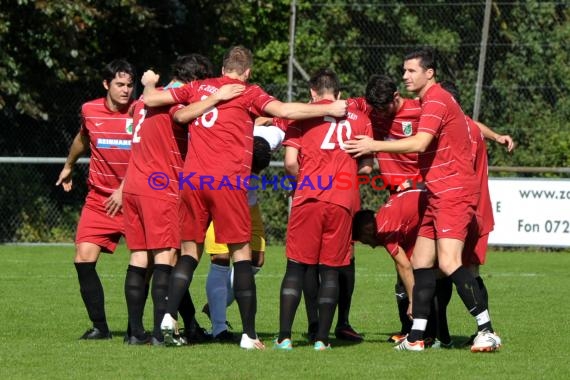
[{"x": 530, "y": 211}]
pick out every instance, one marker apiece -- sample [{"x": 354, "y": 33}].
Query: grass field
[{"x": 42, "y": 316}]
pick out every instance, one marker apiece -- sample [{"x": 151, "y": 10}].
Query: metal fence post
[{"x": 482, "y": 55}]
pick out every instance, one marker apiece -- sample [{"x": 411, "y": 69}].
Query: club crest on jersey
[
  {"x": 407, "y": 128},
  {"x": 129, "y": 126}
]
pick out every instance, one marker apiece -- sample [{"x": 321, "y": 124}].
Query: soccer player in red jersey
[
  {"x": 219, "y": 158},
  {"x": 319, "y": 228},
  {"x": 445, "y": 163},
  {"x": 475, "y": 250},
  {"x": 150, "y": 201},
  {"x": 346, "y": 279},
  {"x": 106, "y": 130},
  {"x": 393, "y": 118}
]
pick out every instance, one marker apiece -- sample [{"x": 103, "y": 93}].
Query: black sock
[
  {"x": 160, "y": 280},
  {"x": 483, "y": 290},
  {"x": 310, "y": 294},
  {"x": 146, "y": 290},
  {"x": 443, "y": 290},
  {"x": 469, "y": 292},
  {"x": 346, "y": 280},
  {"x": 290, "y": 296},
  {"x": 92, "y": 294},
  {"x": 403, "y": 302},
  {"x": 180, "y": 279},
  {"x": 187, "y": 310},
  {"x": 246, "y": 296},
  {"x": 430, "y": 332},
  {"x": 328, "y": 299},
  {"x": 424, "y": 289},
  {"x": 135, "y": 297}
]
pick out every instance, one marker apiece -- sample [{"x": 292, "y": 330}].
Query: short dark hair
[
  {"x": 324, "y": 81},
  {"x": 192, "y": 67},
  {"x": 380, "y": 91},
  {"x": 116, "y": 66},
  {"x": 452, "y": 89},
  {"x": 261, "y": 154},
  {"x": 361, "y": 218},
  {"x": 427, "y": 56}
]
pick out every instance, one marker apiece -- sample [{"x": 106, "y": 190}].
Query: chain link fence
[{"x": 361, "y": 39}]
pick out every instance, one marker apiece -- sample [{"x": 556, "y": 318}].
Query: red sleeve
[
  {"x": 175, "y": 108},
  {"x": 391, "y": 243},
  {"x": 282, "y": 124},
  {"x": 360, "y": 104},
  {"x": 83, "y": 128},
  {"x": 182, "y": 94},
  {"x": 433, "y": 113},
  {"x": 293, "y": 136},
  {"x": 259, "y": 99}
]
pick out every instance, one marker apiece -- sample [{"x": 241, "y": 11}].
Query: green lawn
[{"x": 42, "y": 316}]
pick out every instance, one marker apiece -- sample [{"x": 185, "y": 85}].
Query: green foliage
[
  {"x": 370, "y": 197},
  {"x": 274, "y": 204},
  {"x": 44, "y": 223},
  {"x": 528, "y": 92},
  {"x": 29, "y": 214},
  {"x": 46, "y": 43},
  {"x": 51, "y": 53}
]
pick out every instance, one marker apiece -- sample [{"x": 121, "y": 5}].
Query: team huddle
[{"x": 435, "y": 224}]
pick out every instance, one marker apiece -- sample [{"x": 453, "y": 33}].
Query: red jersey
[
  {"x": 159, "y": 145},
  {"x": 109, "y": 134},
  {"x": 396, "y": 168},
  {"x": 221, "y": 142},
  {"x": 282, "y": 124},
  {"x": 484, "y": 208},
  {"x": 320, "y": 142},
  {"x": 446, "y": 165}
]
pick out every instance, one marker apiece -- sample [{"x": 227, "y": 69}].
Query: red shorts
[
  {"x": 96, "y": 227},
  {"x": 399, "y": 219},
  {"x": 319, "y": 233},
  {"x": 150, "y": 223},
  {"x": 227, "y": 208},
  {"x": 448, "y": 218},
  {"x": 475, "y": 250}
]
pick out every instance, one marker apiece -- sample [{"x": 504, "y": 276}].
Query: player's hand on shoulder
[
  {"x": 229, "y": 91},
  {"x": 339, "y": 108},
  {"x": 360, "y": 146},
  {"x": 65, "y": 179},
  {"x": 150, "y": 78}
]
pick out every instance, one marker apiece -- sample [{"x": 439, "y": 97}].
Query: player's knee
[
  {"x": 449, "y": 266},
  {"x": 87, "y": 253}
]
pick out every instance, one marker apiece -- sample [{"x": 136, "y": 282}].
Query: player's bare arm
[
  {"x": 151, "y": 96},
  {"x": 114, "y": 203},
  {"x": 366, "y": 145},
  {"x": 77, "y": 149},
  {"x": 291, "y": 161},
  {"x": 488, "y": 133},
  {"x": 263, "y": 121},
  {"x": 405, "y": 271},
  {"x": 299, "y": 111},
  {"x": 193, "y": 110}
]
